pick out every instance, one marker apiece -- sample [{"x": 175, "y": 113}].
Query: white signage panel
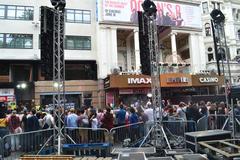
[
  {"x": 139, "y": 80},
  {"x": 6, "y": 91},
  {"x": 169, "y": 14},
  {"x": 208, "y": 80}
]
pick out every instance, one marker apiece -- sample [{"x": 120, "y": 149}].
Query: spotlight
[
  {"x": 217, "y": 16},
  {"x": 149, "y": 8},
  {"x": 149, "y": 95},
  {"x": 23, "y": 85},
  {"x": 59, "y": 4}
]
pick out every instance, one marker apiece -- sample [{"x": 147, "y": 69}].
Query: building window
[
  {"x": 208, "y": 29},
  {"x": 78, "y": 16},
  {"x": 78, "y": 42},
  {"x": 205, "y": 7},
  {"x": 16, "y": 12},
  {"x": 21, "y": 41},
  {"x": 210, "y": 57},
  {"x": 4, "y": 71},
  {"x": 216, "y": 5},
  {"x": 238, "y": 34},
  {"x": 238, "y": 51},
  {"x": 221, "y": 54},
  {"x": 238, "y": 14},
  {"x": 1, "y": 40}
]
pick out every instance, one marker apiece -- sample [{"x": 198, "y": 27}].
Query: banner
[{"x": 169, "y": 14}]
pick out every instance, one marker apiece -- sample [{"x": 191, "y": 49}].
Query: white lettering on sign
[
  {"x": 208, "y": 80},
  {"x": 6, "y": 91},
  {"x": 139, "y": 80},
  {"x": 178, "y": 80}
]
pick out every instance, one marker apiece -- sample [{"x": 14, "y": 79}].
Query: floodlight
[
  {"x": 23, "y": 85},
  {"x": 217, "y": 16},
  {"x": 149, "y": 8},
  {"x": 59, "y": 4}
]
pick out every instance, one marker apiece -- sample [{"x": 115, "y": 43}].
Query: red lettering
[
  {"x": 160, "y": 8},
  {"x": 133, "y": 5},
  {"x": 178, "y": 10},
  {"x": 169, "y": 8},
  {"x": 139, "y": 5}
]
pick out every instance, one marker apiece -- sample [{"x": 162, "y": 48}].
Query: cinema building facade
[{"x": 182, "y": 60}]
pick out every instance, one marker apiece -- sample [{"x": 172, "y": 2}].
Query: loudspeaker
[
  {"x": 46, "y": 38},
  {"x": 144, "y": 44}
]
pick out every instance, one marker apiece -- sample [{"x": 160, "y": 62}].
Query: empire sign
[{"x": 139, "y": 81}]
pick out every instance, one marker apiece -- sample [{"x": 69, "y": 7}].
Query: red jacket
[{"x": 107, "y": 121}]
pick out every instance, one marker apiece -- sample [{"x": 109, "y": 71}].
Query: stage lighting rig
[
  {"x": 217, "y": 16},
  {"x": 149, "y": 8},
  {"x": 59, "y": 4}
]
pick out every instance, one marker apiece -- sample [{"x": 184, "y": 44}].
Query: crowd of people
[{"x": 107, "y": 118}]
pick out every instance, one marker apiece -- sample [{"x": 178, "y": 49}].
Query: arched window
[{"x": 208, "y": 29}]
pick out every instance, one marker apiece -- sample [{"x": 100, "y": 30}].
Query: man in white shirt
[{"x": 150, "y": 122}]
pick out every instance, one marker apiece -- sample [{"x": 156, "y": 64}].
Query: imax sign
[{"x": 139, "y": 80}]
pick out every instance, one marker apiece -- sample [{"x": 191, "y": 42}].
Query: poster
[{"x": 168, "y": 14}]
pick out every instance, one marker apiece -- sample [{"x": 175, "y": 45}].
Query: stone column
[
  {"x": 137, "y": 50},
  {"x": 113, "y": 51},
  {"x": 197, "y": 52},
  {"x": 174, "y": 47},
  {"x": 129, "y": 66},
  {"x": 107, "y": 51}
]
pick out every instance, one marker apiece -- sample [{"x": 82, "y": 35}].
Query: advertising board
[{"x": 169, "y": 14}]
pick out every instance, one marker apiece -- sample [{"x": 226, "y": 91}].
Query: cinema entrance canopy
[{"x": 128, "y": 87}]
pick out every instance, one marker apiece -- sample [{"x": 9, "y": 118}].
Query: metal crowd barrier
[
  {"x": 217, "y": 121},
  {"x": 128, "y": 135},
  {"x": 202, "y": 123},
  {"x": 83, "y": 141},
  {"x": 131, "y": 135},
  {"x": 179, "y": 127},
  {"x": 12, "y": 146},
  {"x": 76, "y": 135}
]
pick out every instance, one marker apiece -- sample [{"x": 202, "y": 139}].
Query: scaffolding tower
[
  {"x": 58, "y": 73},
  {"x": 154, "y": 51}
]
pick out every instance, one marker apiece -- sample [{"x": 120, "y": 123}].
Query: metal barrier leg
[{"x": 225, "y": 123}]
